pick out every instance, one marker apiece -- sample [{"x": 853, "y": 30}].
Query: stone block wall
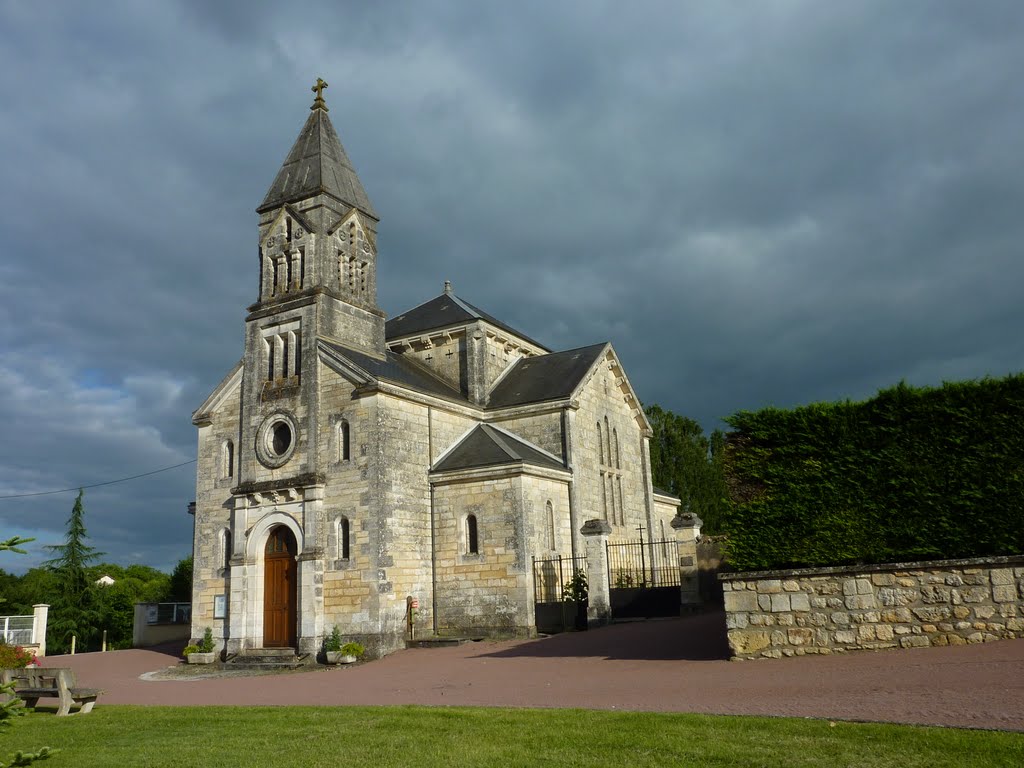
[
  {"x": 770, "y": 614},
  {"x": 487, "y": 592}
]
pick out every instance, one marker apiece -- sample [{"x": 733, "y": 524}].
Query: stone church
[{"x": 350, "y": 463}]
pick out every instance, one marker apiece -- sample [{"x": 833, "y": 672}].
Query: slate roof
[
  {"x": 447, "y": 309},
  {"x": 487, "y": 446},
  {"x": 316, "y": 164},
  {"x": 547, "y": 377},
  {"x": 399, "y": 370}
]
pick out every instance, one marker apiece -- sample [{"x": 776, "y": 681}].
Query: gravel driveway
[{"x": 672, "y": 665}]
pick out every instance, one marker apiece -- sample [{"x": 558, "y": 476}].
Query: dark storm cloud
[{"x": 767, "y": 203}]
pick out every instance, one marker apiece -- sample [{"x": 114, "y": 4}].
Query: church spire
[{"x": 317, "y": 164}]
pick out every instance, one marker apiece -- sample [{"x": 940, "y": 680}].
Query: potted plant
[
  {"x": 202, "y": 653},
  {"x": 574, "y": 596},
  {"x": 351, "y": 652},
  {"x": 332, "y": 646}
]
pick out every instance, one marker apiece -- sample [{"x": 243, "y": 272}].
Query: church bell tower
[{"x": 317, "y": 280}]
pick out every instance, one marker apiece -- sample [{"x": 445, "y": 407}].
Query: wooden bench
[{"x": 34, "y": 683}]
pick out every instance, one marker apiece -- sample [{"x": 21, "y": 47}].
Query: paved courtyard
[{"x": 673, "y": 665}]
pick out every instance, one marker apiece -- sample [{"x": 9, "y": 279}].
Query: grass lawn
[{"x": 210, "y": 737}]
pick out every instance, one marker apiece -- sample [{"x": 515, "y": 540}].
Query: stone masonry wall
[
  {"x": 487, "y": 592},
  {"x": 833, "y": 610},
  {"x": 601, "y": 401}
]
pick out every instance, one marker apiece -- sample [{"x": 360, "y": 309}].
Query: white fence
[
  {"x": 17, "y": 630},
  {"x": 27, "y": 631}
]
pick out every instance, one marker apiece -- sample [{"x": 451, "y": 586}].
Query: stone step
[
  {"x": 268, "y": 658},
  {"x": 440, "y": 642}
]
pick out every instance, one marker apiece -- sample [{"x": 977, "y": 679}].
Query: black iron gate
[
  {"x": 643, "y": 578},
  {"x": 560, "y": 593}
]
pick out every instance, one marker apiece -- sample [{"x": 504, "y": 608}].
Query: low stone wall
[{"x": 908, "y": 605}]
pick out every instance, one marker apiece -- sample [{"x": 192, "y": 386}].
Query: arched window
[
  {"x": 622, "y": 513},
  {"x": 472, "y": 545},
  {"x": 344, "y": 449},
  {"x": 600, "y": 442},
  {"x": 225, "y": 548},
  {"x": 551, "y": 525},
  {"x": 343, "y": 539},
  {"x": 229, "y": 458},
  {"x": 615, "y": 435},
  {"x": 604, "y": 496},
  {"x": 608, "y": 440}
]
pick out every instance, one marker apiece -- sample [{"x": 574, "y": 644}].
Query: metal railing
[
  {"x": 17, "y": 630},
  {"x": 643, "y": 564},
  {"x": 551, "y": 575},
  {"x": 168, "y": 613}
]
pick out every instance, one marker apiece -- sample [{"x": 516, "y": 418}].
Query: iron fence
[
  {"x": 643, "y": 564},
  {"x": 553, "y": 577}
]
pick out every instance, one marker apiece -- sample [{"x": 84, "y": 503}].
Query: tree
[
  {"x": 73, "y": 612},
  {"x": 181, "y": 582},
  {"x": 115, "y": 603},
  {"x": 9, "y": 701},
  {"x": 685, "y": 462}
]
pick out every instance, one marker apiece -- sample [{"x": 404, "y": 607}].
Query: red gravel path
[{"x": 674, "y": 665}]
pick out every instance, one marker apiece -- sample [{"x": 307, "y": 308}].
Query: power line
[{"x": 97, "y": 485}]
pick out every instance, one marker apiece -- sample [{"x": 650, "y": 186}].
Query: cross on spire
[{"x": 318, "y": 89}]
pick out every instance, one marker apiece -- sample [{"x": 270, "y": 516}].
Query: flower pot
[
  {"x": 337, "y": 657},
  {"x": 202, "y": 658}
]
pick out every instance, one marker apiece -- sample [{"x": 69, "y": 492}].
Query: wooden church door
[{"x": 279, "y": 580}]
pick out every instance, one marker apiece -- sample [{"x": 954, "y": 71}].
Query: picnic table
[{"x": 34, "y": 683}]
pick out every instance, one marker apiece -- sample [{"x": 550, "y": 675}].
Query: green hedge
[{"x": 912, "y": 474}]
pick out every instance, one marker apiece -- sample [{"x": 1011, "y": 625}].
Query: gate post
[
  {"x": 40, "y": 613},
  {"x": 687, "y": 527},
  {"x": 595, "y": 540}
]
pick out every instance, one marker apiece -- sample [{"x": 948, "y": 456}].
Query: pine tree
[{"x": 73, "y": 613}]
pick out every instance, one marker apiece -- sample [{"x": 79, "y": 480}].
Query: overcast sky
[{"x": 759, "y": 203}]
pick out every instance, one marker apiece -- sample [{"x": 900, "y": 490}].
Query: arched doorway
[{"x": 280, "y": 577}]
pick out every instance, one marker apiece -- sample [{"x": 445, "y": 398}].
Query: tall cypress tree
[
  {"x": 684, "y": 461},
  {"x": 74, "y": 611}
]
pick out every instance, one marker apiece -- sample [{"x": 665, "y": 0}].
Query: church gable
[
  {"x": 487, "y": 445},
  {"x": 228, "y": 386}
]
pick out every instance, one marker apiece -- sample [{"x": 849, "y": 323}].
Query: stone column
[
  {"x": 687, "y": 527},
  {"x": 40, "y": 612},
  {"x": 239, "y": 622},
  {"x": 595, "y": 540},
  {"x": 311, "y": 571}
]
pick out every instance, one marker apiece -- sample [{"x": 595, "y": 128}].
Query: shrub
[
  {"x": 189, "y": 649},
  {"x": 915, "y": 473},
  {"x": 352, "y": 649},
  {"x": 206, "y": 645},
  {"x": 15, "y": 657},
  {"x": 576, "y": 588},
  {"x": 332, "y": 643}
]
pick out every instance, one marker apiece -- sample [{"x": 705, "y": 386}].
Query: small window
[
  {"x": 472, "y": 544},
  {"x": 344, "y": 446},
  {"x": 604, "y": 497},
  {"x": 615, "y": 435},
  {"x": 608, "y": 441},
  {"x": 600, "y": 442},
  {"x": 229, "y": 458},
  {"x": 343, "y": 538},
  {"x": 225, "y": 543},
  {"x": 551, "y": 525}
]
